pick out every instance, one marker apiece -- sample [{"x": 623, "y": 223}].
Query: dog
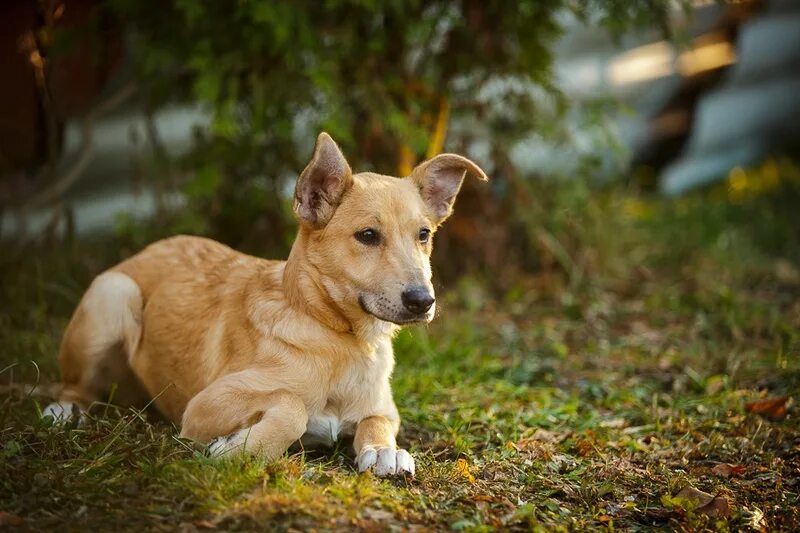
[{"x": 256, "y": 355}]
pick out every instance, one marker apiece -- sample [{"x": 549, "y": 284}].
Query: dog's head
[{"x": 370, "y": 236}]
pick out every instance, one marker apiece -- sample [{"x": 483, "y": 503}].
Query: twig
[{"x": 62, "y": 183}]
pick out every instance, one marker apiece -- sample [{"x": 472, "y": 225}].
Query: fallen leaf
[
  {"x": 584, "y": 447},
  {"x": 716, "y": 508},
  {"x": 703, "y": 502},
  {"x": 462, "y": 467},
  {"x": 9, "y": 519},
  {"x": 770, "y": 408},
  {"x": 696, "y": 496},
  {"x": 727, "y": 470}
]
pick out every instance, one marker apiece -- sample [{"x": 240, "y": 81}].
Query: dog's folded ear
[
  {"x": 322, "y": 183},
  {"x": 439, "y": 179}
]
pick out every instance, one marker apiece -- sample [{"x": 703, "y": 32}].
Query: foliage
[
  {"x": 384, "y": 78},
  {"x": 615, "y": 389}
]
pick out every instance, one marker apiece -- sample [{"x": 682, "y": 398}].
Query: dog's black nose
[{"x": 417, "y": 300}]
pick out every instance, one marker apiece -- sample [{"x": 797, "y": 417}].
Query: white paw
[
  {"x": 385, "y": 461},
  {"x": 62, "y": 412},
  {"x": 229, "y": 444}
]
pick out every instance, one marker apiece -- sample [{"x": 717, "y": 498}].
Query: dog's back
[{"x": 178, "y": 259}]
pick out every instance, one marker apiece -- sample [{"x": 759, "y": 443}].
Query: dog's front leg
[
  {"x": 376, "y": 448},
  {"x": 243, "y": 414}
]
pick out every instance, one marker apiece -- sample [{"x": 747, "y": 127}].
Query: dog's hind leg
[
  {"x": 103, "y": 331},
  {"x": 240, "y": 418}
]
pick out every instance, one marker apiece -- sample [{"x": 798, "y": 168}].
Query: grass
[{"x": 589, "y": 396}]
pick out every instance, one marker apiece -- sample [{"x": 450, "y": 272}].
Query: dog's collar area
[{"x": 303, "y": 289}]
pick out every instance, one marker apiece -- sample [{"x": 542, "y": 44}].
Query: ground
[{"x": 648, "y": 378}]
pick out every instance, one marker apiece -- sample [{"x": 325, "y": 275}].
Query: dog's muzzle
[{"x": 417, "y": 306}]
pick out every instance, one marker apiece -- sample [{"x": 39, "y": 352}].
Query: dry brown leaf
[
  {"x": 770, "y": 408},
  {"x": 696, "y": 496},
  {"x": 716, "y": 508},
  {"x": 727, "y": 470},
  {"x": 705, "y": 503},
  {"x": 584, "y": 447}
]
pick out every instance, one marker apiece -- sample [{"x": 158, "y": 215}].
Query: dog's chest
[
  {"x": 337, "y": 419},
  {"x": 325, "y": 429},
  {"x": 359, "y": 391}
]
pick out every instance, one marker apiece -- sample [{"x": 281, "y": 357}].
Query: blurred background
[{"x": 122, "y": 121}]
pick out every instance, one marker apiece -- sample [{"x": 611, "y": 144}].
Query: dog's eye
[
  {"x": 424, "y": 235},
  {"x": 368, "y": 236}
]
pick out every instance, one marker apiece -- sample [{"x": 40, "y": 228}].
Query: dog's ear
[
  {"x": 322, "y": 183},
  {"x": 439, "y": 180}
]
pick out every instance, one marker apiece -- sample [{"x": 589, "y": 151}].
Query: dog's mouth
[{"x": 383, "y": 309}]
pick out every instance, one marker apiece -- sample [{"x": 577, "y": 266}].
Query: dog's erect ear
[
  {"x": 439, "y": 180},
  {"x": 322, "y": 183}
]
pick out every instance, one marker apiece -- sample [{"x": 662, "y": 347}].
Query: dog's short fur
[{"x": 255, "y": 354}]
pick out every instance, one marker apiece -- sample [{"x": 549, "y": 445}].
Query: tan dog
[{"x": 253, "y": 354}]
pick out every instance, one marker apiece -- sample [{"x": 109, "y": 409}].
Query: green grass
[{"x": 586, "y": 397}]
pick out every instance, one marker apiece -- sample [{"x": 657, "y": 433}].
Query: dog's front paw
[
  {"x": 228, "y": 444},
  {"x": 385, "y": 461}
]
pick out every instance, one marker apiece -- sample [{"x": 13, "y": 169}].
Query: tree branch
[{"x": 61, "y": 184}]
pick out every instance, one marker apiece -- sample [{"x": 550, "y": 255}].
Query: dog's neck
[{"x": 306, "y": 291}]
